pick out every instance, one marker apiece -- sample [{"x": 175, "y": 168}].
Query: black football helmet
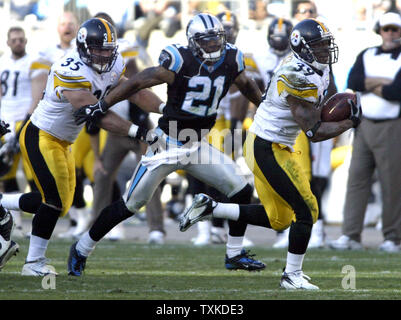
[
  {"x": 97, "y": 34},
  {"x": 230, "y": 24},
  {"x": 206, "y": 37},
  {"x": 278, "y": 36},
  {"x": 312, "y": 42}
]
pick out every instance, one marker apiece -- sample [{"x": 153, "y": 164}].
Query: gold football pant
[
  {"x": 52, "y": 166},
  {"x": 282, "y": 185}
]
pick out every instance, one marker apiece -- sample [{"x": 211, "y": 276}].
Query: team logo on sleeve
[
  {"x": 295, "y": 38},
  {"x": 164, "y": 56},
  {"x": 82, "y": 34}
]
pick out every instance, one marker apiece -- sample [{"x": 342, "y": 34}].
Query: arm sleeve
[
  {"x": 356, "y": 76},
  {"x": 392, "y": 90}
]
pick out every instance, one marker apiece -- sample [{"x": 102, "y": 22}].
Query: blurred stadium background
[{"x": 351, "y": 21}]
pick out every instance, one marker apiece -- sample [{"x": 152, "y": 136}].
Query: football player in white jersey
[
  {"x": 16, "y": 96},
  {"x": 291, "y": 103},
  {"x": 78, "y": 79}
]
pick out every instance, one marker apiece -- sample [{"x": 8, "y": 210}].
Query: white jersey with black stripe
[
  {"x": 54, "y": 113},
  {"x": 273, "y": 120}
]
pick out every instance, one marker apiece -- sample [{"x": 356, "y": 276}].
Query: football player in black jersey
[{"x": 198, "y": 77}]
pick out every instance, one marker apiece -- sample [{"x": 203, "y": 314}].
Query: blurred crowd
[{"x": 152, "y": 24}]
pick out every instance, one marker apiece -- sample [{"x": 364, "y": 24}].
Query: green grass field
[{"x": 127, "y": 270}]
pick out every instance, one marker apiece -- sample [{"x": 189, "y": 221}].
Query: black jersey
[{"x": 193, "y": 98}]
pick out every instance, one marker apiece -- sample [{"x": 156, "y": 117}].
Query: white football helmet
[{"x": 206, "y": 37}]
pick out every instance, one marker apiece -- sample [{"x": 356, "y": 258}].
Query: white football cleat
[
  {"x": 389, "y": 246},
  {"x": 296, "y": 280},
  {"x": 345, "y": 243},
  {"x": 201, "y": 240},
  {"x": 156, "y": 237},
  {"x": 38, "y": 268},
  {"x": 201, "y": 209}
]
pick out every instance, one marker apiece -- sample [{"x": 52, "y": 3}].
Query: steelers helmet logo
[
  {"x": 82, "y": 34},
  {"x": 295, "y": 38}
]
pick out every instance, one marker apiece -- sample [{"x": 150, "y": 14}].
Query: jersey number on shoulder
[
  {"x": 75, "y": 65},
  {"x": 205, "y": 89},
  {"x": 306, "y": 70},
  {"x": 4, "y": 82}
]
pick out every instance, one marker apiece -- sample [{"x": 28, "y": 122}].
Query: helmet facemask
[
  {"x": 320, "y": 53},
  {"x": 209, "y": 46},
  {"x": 102, "y": 59}
]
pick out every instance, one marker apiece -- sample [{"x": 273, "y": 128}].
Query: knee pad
[{"x": 243, "y": 196}]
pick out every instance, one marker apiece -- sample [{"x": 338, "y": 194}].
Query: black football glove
[
  {"x": 356, "y": 110},
  {"x": 9, "y": 148},
  {"x": 4, "y": 128},
  {"x": 149, "y": 137},
  {"x": 91, "y": 113}
]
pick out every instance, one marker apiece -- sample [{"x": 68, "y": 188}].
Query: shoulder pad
[
  {"x": 171, "y": 58},
  {"x": 239, "y": 56},
  {"x": 293, "y": 81}
]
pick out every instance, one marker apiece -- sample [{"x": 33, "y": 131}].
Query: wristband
[
  {"x": 161, "y": 107},
  {"x": 311, "y": 132},
  {"x": 133, "y": 130}
]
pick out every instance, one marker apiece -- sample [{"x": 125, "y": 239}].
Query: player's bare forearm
[
  {"x": 115, "y": 124},
  {"x": 145, "y": 79},
  {"x": 249, "y": 89},
  {"x": 309, "y": 119},
  {"x": 328, "y": 130},
  {"x": 147, "y": 100}
]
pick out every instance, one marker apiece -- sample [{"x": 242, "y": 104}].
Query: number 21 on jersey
[{"x": 203, "y": 96}]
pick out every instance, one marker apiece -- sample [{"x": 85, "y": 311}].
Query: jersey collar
[{"x": 213, "y": 67}]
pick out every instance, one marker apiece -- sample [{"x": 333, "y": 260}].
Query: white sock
[
  {"x": 10, "y": 201},
  {"x": 226, "y": 211},
  {"x": 37, "y": 248},
  {"x": 86, "y": 245},
  {"x": 294, "y": 262},
  {"x": 234, "y": 246}
]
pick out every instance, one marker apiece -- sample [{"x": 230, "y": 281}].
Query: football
[{"x": 337, "y": 108}]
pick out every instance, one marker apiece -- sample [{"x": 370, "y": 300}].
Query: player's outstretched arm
[
  {"x": 145, "y": 79},
  {"x": 148, "y": 101},
  {"x": 249, "y": 88},
  {"x": 308, "y": 118}
]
